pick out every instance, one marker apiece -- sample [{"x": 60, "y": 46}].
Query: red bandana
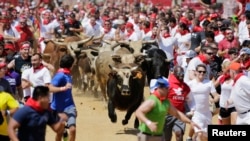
[
  {"x": 64, "y": 70},
  {"x": 224, "y": 78},
  {"x": 106, "y": 30},
  {"x": 45, "y": 22},
  {"x": 146, "y": 30},
  {"x": 38, "y": 68},
  {"x": 184, "y": 32},
  {"x": 246, "y": 64},
  {"x": 153, "y": 36},
  {"x": 71, "y": 21},
  {"x": 237, "y": 77},
  {"x": 203, "y": 59},
  {"x": 166, "y": 35},
  {"x": 161, "y": 98},
  {"x": 216, "y": 32},
  {"x": 130, "y": 33},
  {"x": 34, "y": 105}
]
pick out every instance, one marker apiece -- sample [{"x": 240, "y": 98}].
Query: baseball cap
[
  {"x": 245, "y": 50},
  {"x": 159, "y": 82},
  {"x": 190, "y": 54},
  {"x": 235, "y": 66}
]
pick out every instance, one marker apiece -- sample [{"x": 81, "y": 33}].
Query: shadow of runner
[{"x": 129, "y": 131}]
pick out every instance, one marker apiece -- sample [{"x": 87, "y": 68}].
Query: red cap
[
  {"x": 92, "y": 11},
  {"x": 2, "y": 65},
  {"x": 235, "y": 66},
  {"x": 129, "y": 25},
  {"x": 10, "y": 47}
]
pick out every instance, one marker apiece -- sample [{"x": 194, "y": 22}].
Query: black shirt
[
  {"x": 76, "y": 24},
  {"x": 21, "y": 64}
]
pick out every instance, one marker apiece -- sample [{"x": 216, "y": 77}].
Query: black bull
[
  {"x": 156, "y": 63},
  {"x": 125, "y": 98}
]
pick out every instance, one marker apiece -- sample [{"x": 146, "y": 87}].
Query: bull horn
[
  {"x": 106, "y": 42},
  {"x": 134, "y": 68},
  {"x": 59, "y": 43},
  {"x": 93, "y": 48},
  {"x": 84, "y": 41},
  {"x": 115, "y": 45},
  {"x": 166, "y": 60},
  {"x": 98, "y": 38},
  {"x": 148, "y": 41},
  {"x": 148, "y": 59},
  {"x": 123, "y": 42}
]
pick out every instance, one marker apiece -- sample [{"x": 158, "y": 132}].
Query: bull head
[{"x": 123, "y": 75}]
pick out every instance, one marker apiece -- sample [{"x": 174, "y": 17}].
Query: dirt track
[{"x": 93, "y": 123}]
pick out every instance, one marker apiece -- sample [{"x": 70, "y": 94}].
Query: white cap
[
  {"x": 154, "y": 83},
  {"x": 190, "y": 54}
]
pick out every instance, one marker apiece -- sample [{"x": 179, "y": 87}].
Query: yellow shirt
[{"x": 6, "y": 102}]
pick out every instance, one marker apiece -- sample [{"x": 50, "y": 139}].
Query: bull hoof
[
  {"x": 114, "y": 119},
  {"x": 124, "y": 122},
  {"x": 136, "y": 124}
]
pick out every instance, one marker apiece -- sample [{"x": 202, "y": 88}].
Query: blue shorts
[{"x": 71, "y": 113}]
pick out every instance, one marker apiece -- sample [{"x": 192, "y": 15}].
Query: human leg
[
  {"x": 169, "y": 123},
  {"x": 71, "y": 123},
  {"x": 179, "y": 130}
]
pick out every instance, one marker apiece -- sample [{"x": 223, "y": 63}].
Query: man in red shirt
[
  {"x": 178, "y": 95},
  {"x": 24, "y": 31},
  {"x": 230, "y": 41}
]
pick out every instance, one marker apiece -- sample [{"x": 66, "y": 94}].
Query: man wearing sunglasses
[{"x": 204, "y": 57}]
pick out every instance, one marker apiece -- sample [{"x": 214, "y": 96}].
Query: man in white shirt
[
  {"x": 203, "y": 58},
  {"x": 35, "y": 76},
  {"x": 240, "y": 94},
  {"x": 92, "y": 28}
]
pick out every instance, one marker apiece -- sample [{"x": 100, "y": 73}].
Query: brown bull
[{"x": 55, "y": 50}]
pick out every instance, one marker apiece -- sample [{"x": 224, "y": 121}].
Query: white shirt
[
  {"x": 167, "y": 45},
  {"x": 110, "y": 35},
  {"x": 39, "y": 77},
  {"x": 182, "y": 41},
  {"x": 201, "y": 92},
  {"x": 240, "y": 94},
  {"x": 226, "y": 88},
  {"x": 45, "y": 30},
  {"x": 93, "y": 30}
]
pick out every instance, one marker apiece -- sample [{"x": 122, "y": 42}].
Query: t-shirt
[
  {"x": 14, "y": 80},
  {"x": 33, "y": 124},
  {"x": 6, "y": 102},
  {"x": 62, "y": 100}
]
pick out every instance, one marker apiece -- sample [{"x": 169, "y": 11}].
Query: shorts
[
  {"x": 143, "y": 137},
  {"x": 173, "y": 124},
  {"x": 203, "y": 120},
  {"x": 71, "y": 113},
  {"x": 225, "y": 113}
]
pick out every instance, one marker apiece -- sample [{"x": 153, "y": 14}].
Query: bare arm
[
  {"x": 191, "y": 74},
  {"x": 140, "y": 113},
  {"x": 12, "y": 126},
  {"x": 26, "y": 84},
  {"x": 57, "y": 127},
  {"x": 55, "y": 89},
  {"x": 11, "y": 64}
]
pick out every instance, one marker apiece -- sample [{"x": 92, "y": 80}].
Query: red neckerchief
[
  {"x": 224, "y": 77},
  {"x": 153, "y": 36},
  {"x": 71, "y": 21},
  {"x": 64, "y": 70},
  {"x": 130, "y": 33},
  {"x": 237, "y": 78},
  {"x": 152, "y": 24},
  {"x": 166, "y": 35},
  {"x": 45, "y": 22},
  {"x": 38, "y": 68},
  {"x": 184, "y": 32},
  {"x": 161, "y": 98},
  {"x": 106, "y": 30},
  {"x": 203, "y": 59},
  {"x": 246, "y": 64},
  {"x": 146, "y": 30},
  {"x": 197, "y": 29},
  {"x": 34, "y": 105},
  {"x": 216, "y": 32}
]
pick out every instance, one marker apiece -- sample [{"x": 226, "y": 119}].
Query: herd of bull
[{"x": 120, "y": 69}]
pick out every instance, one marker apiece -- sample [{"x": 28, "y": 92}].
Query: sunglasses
[
  {"x": 201, "y": 72},
  {"x": 210, "y": 53}
]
